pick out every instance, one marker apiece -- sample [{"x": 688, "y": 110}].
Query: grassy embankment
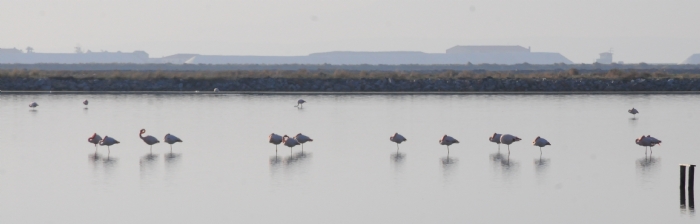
[{"x": 613, "y": 74}]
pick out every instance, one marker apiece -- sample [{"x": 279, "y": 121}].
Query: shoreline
[{"x": 361, "y": 93}]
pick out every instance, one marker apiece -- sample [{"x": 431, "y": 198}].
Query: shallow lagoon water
[{"x": 225, "y": 171}]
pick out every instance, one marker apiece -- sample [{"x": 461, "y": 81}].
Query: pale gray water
[{"x": 226, "y": 172}]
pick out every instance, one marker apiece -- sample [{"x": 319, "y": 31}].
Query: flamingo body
[
  {"x": 150, "y": 140},
  {"x": 300, "y": 103},
  {"x": 95, "y": 139},
  {"x": 397, "y": 138},
  {"x": 33, "y": 105},
  {"x": 171, "y": 139},
  {"x": 85, "y": 102},
  {"x": 447, "y": 140},
  {"x": 509, "y": 139},
  {"x": 290, "y": 142},
  {"x": 633, "y": 111},
  {"x": 302, "y": 138},
  {"x": 541, "y": 142},
  {"x": 108, "y": 141}
]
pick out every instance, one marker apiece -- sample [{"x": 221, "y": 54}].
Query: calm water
[{"x": 226, "y": 172}]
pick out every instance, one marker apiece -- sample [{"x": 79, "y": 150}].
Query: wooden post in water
[
  {"x": 691, "y": 179},
  {"x": 682, "y": 185}
]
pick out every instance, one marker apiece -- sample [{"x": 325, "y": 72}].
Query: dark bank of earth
[{"x": 350, "y": 85}]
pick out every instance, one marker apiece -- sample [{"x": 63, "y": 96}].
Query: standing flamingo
[
  {"x": 95, "y": 139},
  {"x": 150, "y": 140},
  {"x": 496, "y": 138},
  {"x": 171, "y": 139},
  {"x": 289, "y": 142},
  {"x": 302, "y": 139},
  {"x": 447, "y": 140},
  {"x": 509, "y": 139},
  {"x": 398, "y": 139},
  {"x": 85, "y": 103},
  {"x": 33, "y": 105},
  {"x": 647, "y": 141},
  {"x": 633, "y": 111},
  {"x": 541, "y": 142},
  {"x": 300, "y": 103},
  {"x": 275, "y": 139},
  {"x": 108, "y": 141}
]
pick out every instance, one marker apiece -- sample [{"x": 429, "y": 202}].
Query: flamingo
[
  {"x": 95, "y": 139},
  {"x": 33, "y": 105},
  {"x": 302, "y": 139},
  {"x": 541, "y": 142},
  {"x": 647, "y": 141},
  {"x": 300, "y": 103},
  {"x": 509, "y": 139},
  {"x": 496, "y": 138},
  {"x": 171, "y": 139},
  {"x": 447, "y": 140},
  {"x": 633, "y": 111},
  {"x": 150, "y": 140},
  {"x": 216, "y": 90},
  {"x": 398, "y": 139},
  {"x": 289, "y": 142},
  {"x": 275, "y": 139},
  {"x": 85, "y": 103},
  {"x": 108, "y": 141}
]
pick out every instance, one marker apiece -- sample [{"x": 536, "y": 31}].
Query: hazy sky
[{"x": 637, "y": 30}]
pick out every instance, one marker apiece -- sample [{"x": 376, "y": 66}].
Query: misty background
[{"x": 638, "y": 31}]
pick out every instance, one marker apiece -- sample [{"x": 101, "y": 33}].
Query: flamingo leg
[
  {"x": 151, "y": 149},
  {"x": 540, "y": 151},
  {"x": 448, "y": 151},
  {"x": 508, "y": 149},
  {"x": 171, "y": 149}
]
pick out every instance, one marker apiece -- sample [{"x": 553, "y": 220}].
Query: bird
[
  {"x": 541, "y": 142},
  {"x": 398, "y": 139},
  {"x": 171, "y": 139},
  {"x": 289, "y": 142},
  {"x": 85, "y": 103},
  {"x": 300, "y": 103},
  {"x": 509, "y": 139},
  {"x": 33, "y": 105},
  {"x": 150, "y": 140},
  {"x": 216, "y": 90},
  {"x": 275, "y": 139},
  {"x": 95, "y": 139},
  {"x": 108, "y": 141},
  {"x": 633, "y": 111},
  {"x": 447, "y": 140},
  {"x": 302, "y": 139},
  {"x": 647, "y": 141},
  {"x": 496, "y": 138}
]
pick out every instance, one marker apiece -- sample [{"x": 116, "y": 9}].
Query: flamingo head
[
  {"x": 538, "y": 138},
  {"x": 142, "y": 131},
  {"x": 515, "y": 139}
]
